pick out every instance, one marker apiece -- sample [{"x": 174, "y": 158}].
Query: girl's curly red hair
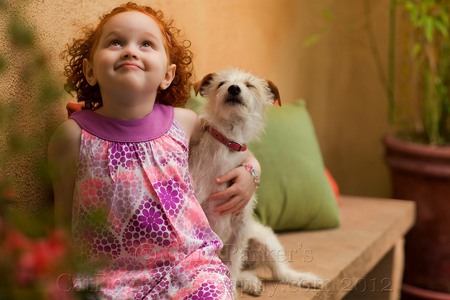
[{"x": 177, "y": 49}]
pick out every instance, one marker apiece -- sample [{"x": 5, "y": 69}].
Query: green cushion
[
  {"x": 295, "y": 193},
  {"x": 195, "y": 102}
]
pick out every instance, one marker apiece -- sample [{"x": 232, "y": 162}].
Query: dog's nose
[{"x": 234, "y": 90}]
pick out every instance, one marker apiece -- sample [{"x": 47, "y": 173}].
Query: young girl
[{"x": 120, "y": 172}]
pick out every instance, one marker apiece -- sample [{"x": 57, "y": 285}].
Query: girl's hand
[{"x": 241, "y": 190}]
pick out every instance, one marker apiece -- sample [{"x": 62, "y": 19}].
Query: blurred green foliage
[
  {"x": 38, "y": 91},
  {"x": 33, "y": 255}
]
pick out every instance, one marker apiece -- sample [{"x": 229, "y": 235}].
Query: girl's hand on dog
[
  {"x": 241, "y": 190},
  {"x": 239, "y": 193}
]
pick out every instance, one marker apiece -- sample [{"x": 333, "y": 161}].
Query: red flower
[
  {"x": 16, "y": 241},
  {"x": 42, "y": 257}
]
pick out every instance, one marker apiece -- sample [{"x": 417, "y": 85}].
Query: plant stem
[
  {"x": 388, "y": 83},
  {"x": 373, "y": 43},
  {"x": 391, "y": 61}
]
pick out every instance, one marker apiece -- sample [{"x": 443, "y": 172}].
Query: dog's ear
[
  {"x": 202, "y": 85},
  {"x": 276, "y": 94}
]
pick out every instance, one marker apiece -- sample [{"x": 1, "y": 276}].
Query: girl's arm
[
  {"x": 242, "y": 188},
  {"x": 63, "y": 152}
]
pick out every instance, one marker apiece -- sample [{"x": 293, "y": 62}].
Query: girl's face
[{"x": 130, "y": 56}]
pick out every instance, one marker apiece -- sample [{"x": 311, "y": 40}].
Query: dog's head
[{"x": 236, "y": 94}]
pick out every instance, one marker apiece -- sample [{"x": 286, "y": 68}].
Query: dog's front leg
[{"x": 234, "y": 251}]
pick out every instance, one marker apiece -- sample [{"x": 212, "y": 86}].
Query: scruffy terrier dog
[{"x": 233, "y": 117}]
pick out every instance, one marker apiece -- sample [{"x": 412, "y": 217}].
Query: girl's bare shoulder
[
  {"x": 187, "y": 119},
  {"x": 65, "y": 139}
]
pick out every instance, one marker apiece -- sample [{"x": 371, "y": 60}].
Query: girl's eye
[
  {"x": 115, "y": 43},
  {"x": 147, "y": 44}
]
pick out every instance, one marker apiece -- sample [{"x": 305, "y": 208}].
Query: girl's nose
[{"x": 129, "y": 51}]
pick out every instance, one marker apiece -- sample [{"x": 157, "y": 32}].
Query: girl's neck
[
  {"x": 125, "y": 113},
  {"x": 126, "y": 108}
]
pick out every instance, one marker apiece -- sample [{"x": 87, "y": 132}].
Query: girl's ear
[
  {"x": 170, "y": 75},
  {"x": 88, "y": 72}
]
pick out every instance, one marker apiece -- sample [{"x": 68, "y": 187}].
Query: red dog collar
[{"x": 232, "y": 145}]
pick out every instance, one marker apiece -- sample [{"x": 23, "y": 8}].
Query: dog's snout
[{"x": 234, "y": 90}]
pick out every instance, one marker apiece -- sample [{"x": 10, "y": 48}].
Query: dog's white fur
[{"x": 240, "y": 117}]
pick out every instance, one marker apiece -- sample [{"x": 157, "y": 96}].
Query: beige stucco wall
[{"x": 336, "y": 75}]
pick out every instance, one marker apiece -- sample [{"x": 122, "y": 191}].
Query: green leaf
[
  {"x": 429, "y": 29},
  {"x": 327, "y": 14},
  {"x": 311, "y": 40},
  {"x": 417, "y": 48},
  {"x": 49, "y": 92},
  {"x": 20, "y": 34},
  {"x": 17, "y": 143},
  {"x": 442, "y": 28},
  {"x": 2, "y": 63}
]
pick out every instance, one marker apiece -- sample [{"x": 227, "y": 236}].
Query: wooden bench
[{"x": 362, "y": 259}]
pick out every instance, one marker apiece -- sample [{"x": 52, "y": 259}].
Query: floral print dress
[{"x": 135, "y": 217}]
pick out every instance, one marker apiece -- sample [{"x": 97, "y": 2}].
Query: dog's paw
[
  {"x": 250, "y": 283},
  {"x": 309, "y": 280},
  {"x": 251, "y": 288},
  {"x": 306, "y": 280}
]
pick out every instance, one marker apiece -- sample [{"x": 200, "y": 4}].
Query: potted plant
[{"x": 418, "y": 149}]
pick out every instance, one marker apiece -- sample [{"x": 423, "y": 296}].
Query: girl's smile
[{"x": 128, "y": 65}]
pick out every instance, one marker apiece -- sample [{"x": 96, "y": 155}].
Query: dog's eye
[
  {"x": 220, "y": 84},
  {"x": 249, "y": 85}
]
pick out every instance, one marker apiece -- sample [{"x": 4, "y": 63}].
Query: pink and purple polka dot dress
[{"x": 135, "y": 215}]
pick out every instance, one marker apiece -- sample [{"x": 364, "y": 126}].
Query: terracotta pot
[{"x": 422, "y": 173}]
